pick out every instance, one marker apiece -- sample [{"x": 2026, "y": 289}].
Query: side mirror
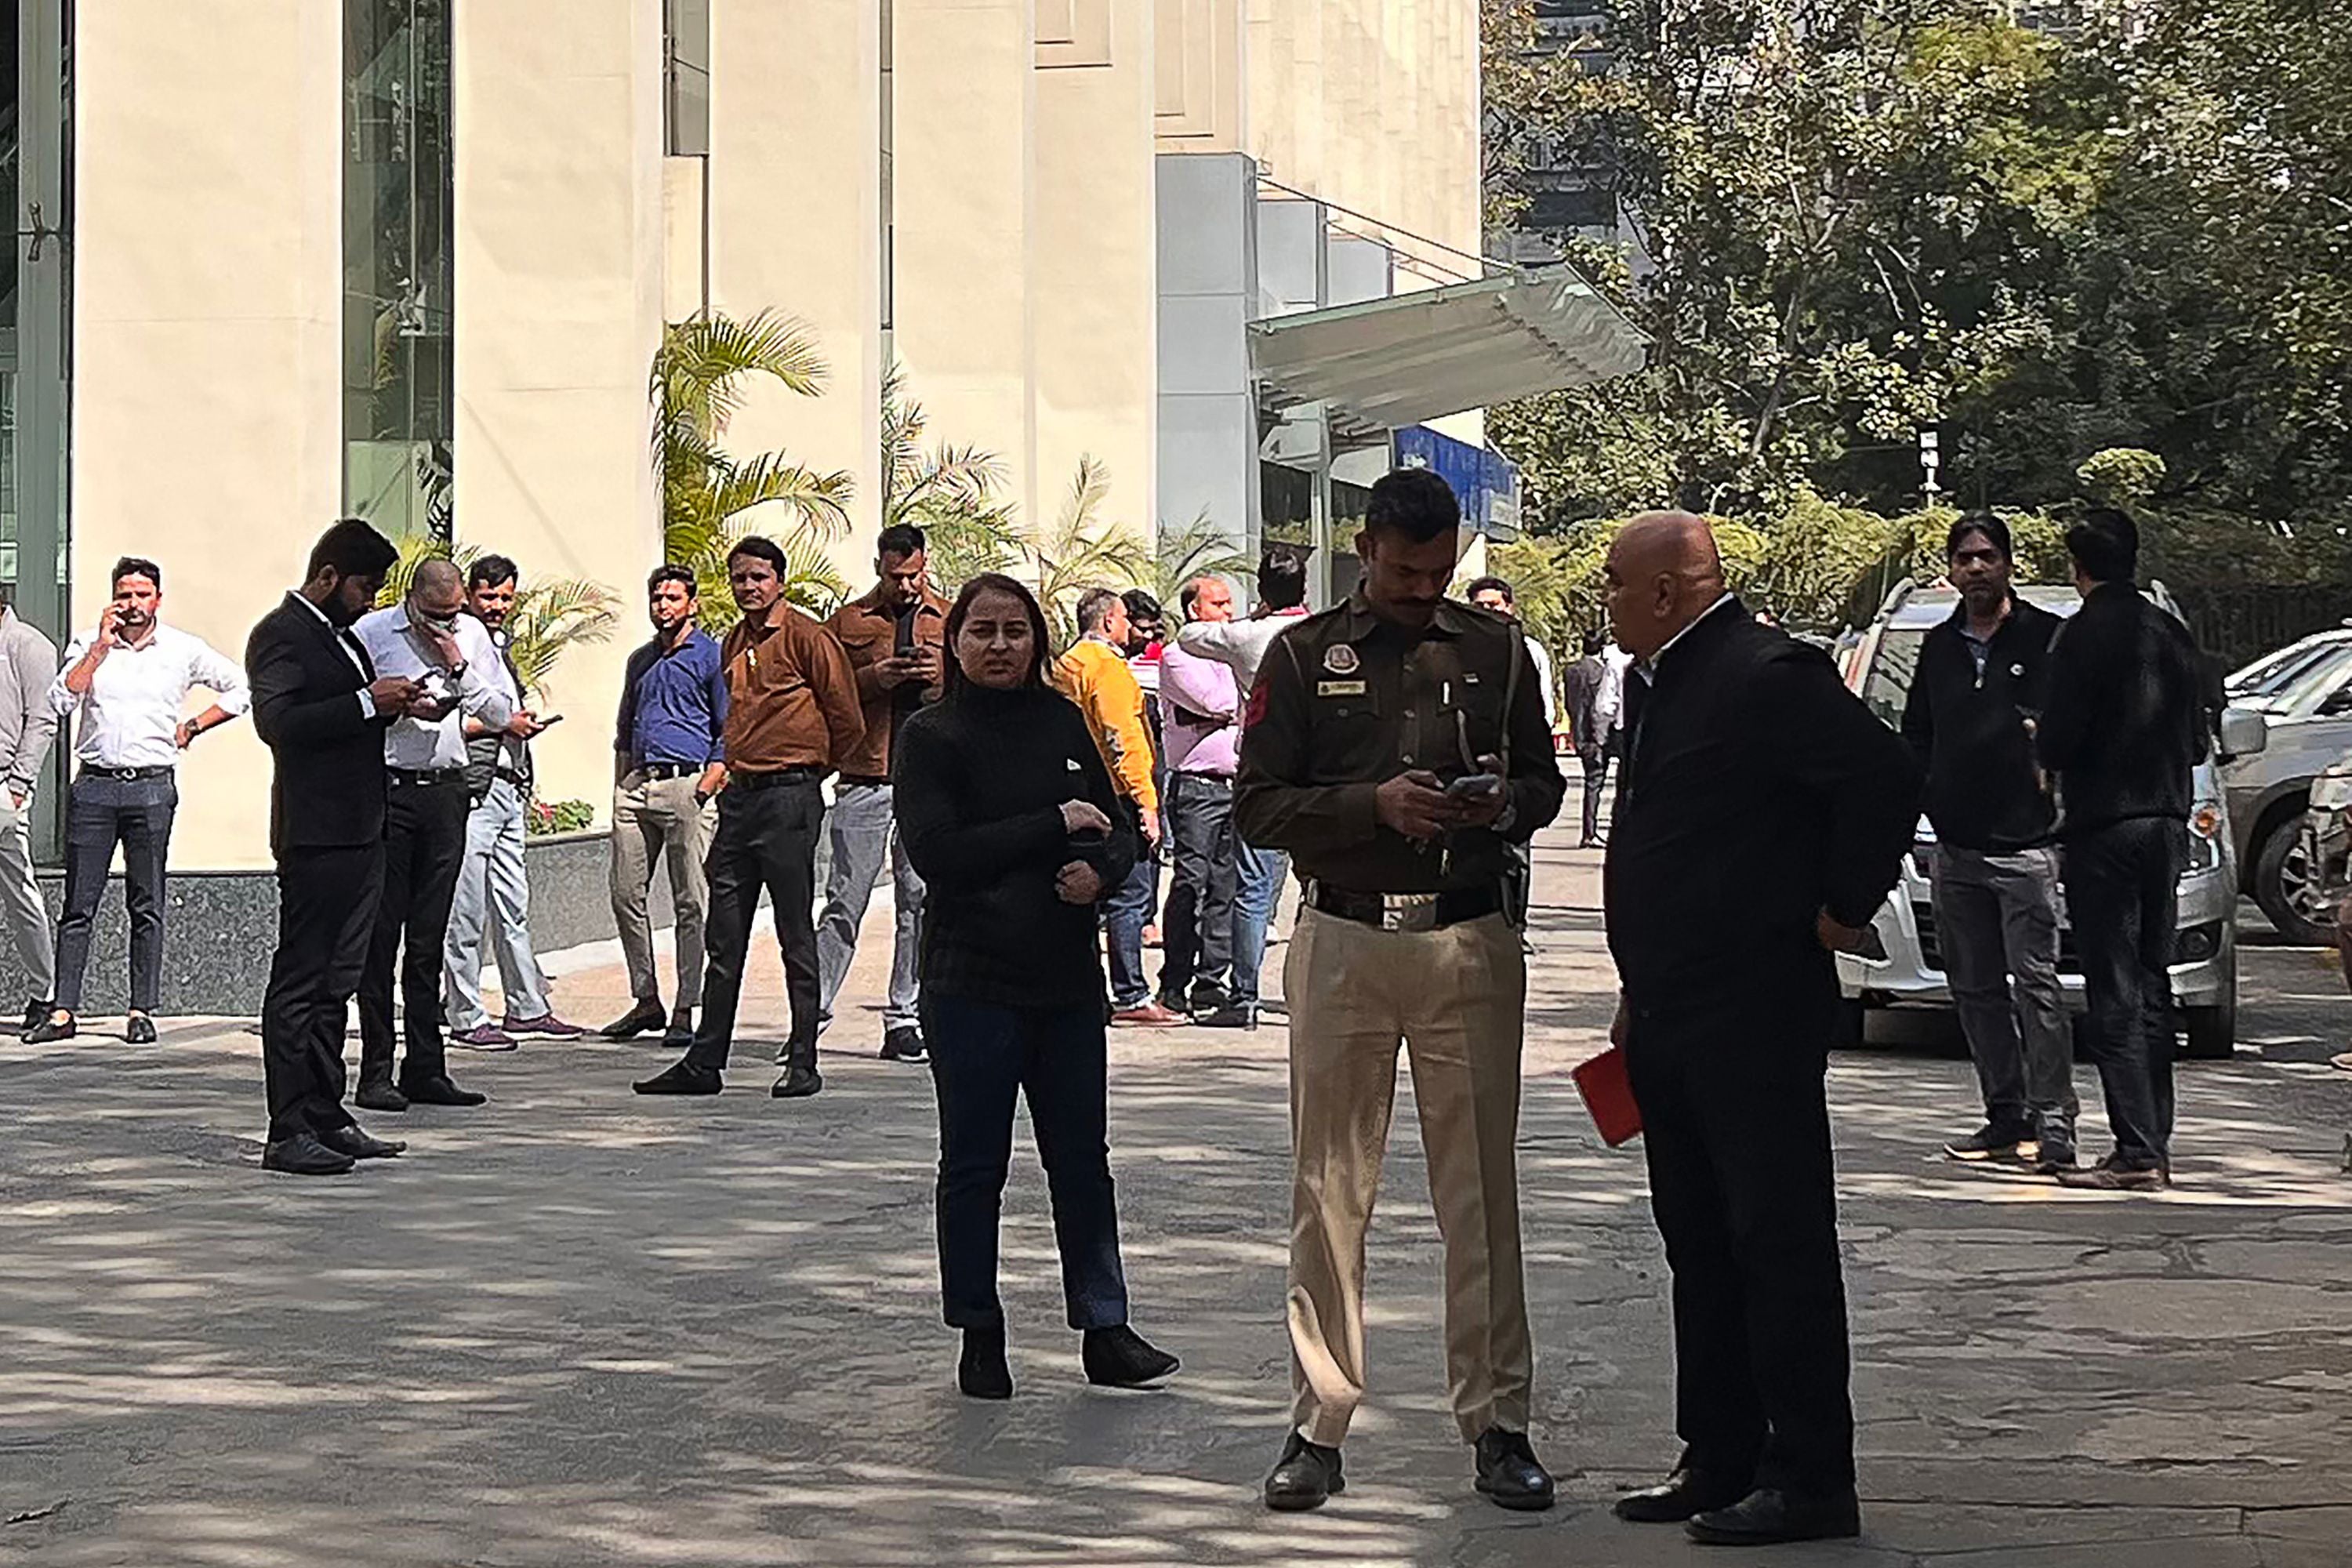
[{"x": 2244, "y": 733}]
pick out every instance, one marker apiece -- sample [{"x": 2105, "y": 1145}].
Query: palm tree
[
  {"x": 1199, "y": 549},
  {"x": 548, "y": 616},
  {"x": 1079, "y": 551},
  {"x": 948, "y": 492},
  {"x": 701, "y": 376}
]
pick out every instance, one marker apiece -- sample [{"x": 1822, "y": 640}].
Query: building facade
[{"x": 280, "y": 260}]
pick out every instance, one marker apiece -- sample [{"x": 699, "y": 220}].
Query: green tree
[
  {"x": 1080, "y": 549},
  {"x": 702, "y": 374},
  {"x": 953, "y": 493},
  {"x": 1196, "y": 549}
]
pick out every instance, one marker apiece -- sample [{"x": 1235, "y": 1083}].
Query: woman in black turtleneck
[{"x": 1008, "y": 816}]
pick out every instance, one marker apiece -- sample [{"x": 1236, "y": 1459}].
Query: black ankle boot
[
  {"x": 982, "y": 1372},
  {"x": 1121, "y": 1358}
]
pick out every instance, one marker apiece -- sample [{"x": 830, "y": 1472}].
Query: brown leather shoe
[{"x": 1149, "y": 1015}]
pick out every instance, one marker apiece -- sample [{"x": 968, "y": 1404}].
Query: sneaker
[
  {"x": 1992, "y": 1143},
  {"x": 903, "y": 1044},
  {"x": 2055, "y": 1157},
  {"x": 483, "y": 1037},
  {"x": 1240, "y": 1016},
  {"x": 2112, "y": 1175},
  {"x": 1148, "y": 1015},
  {"x": 36, "y": 1013},
  {"x": 546, "y": 1024}
]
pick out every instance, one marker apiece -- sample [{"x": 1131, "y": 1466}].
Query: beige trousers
[
  {"x": 1456, "y": 999},
  {"x": 657, "y": 821}
]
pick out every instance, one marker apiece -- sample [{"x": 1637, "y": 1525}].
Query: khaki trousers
[
  {"x": 655, "y": 821},
  {"x": 1456, "y": 998}
]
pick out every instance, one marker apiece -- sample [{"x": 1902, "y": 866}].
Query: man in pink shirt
[{"x": 1200, "y": 704}]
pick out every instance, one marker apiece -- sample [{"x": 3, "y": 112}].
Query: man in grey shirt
[{"x": 28, "y": 662}]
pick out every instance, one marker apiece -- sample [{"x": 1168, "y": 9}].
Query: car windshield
[
  {"x": 2309, "y": 683},
  {"x": 1888, "y": 685},
  {"x": 2267, "y": 678}
]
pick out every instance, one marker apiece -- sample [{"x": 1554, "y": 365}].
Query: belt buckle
[{"x": 1408, "y": 911}]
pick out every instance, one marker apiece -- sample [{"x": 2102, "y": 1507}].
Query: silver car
[
  {"x": 2303, "y": 693},
  {"x": 2205, "y": 944}
]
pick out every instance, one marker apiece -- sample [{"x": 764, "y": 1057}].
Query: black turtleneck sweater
[{"x": 977, "y": 782}]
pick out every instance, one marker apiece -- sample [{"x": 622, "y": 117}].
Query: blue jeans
[
  {"x": 1262, "y": 874},
  {"x": 1125, "y": 914},
  {"x": 984, "y": 1056}
]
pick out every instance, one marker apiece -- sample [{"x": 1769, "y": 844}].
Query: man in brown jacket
[
  {"x": 791, "y": 717},
  {"x": 893, "y": 637}
]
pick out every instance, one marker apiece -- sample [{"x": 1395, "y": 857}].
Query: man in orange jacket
[{"x": 1095, "y": 676}]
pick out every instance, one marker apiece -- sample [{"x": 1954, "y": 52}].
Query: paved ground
[{"x": 578, "y": 1328}]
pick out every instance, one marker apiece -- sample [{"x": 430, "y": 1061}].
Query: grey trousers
[
  {"x": 20, "y": 902},
  {"x": 1997, "y": 918},
  {"x": 863, "y": 837},
  {"x": 492, "y": 901},
  {"x": 657, "y": 819}
]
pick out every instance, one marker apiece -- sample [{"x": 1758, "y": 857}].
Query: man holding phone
[
  {"x": 429, "y": 638},
  {"x": 893, "y": 637},
  {"x": 1394, "y": 745},
  {"x": 491, "y": 886}
]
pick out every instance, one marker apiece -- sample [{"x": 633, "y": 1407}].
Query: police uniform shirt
[{"x": 1346, "y": 701}]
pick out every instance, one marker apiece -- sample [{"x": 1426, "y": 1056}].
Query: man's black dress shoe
[
  {"x": 636, "y": 1021},
  {"x": 798, "y": 1083},
  {"x": 34, "y": 1013},
  {"x": 680, "y": 1077},
  {"x": 140, "y": 1030},
  {"x": 303, "y": 1155},
  {"x": 1306, "y": 1476},
  {"x": 58, "y": 1026},
  {"x": 982, "y": 1371},
  {"x": 1510, "y": 1473},
  {"x": 1121, "y": 1358},
  {"x": 440, "y": 1090},
  {"x": 377, "y": 1094},
  {"x": 1769, "y": 1516},
  {"x": 1687, "y": 1493},
  {"x": 903, "y": 1044},
  {"x": 354, "y": 1142}
]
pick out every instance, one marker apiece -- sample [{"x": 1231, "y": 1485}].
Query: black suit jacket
[
  {"x": 1756, "y": 791},
  {"x": 329, "y": 786}
]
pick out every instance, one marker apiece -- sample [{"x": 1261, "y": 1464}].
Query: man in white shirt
[
  {"x": 428, "y": 638},
  {"x": 493, "y": 896},
  {"x": 130, "y": 681},
  {"x": 1242, "y": 646}
]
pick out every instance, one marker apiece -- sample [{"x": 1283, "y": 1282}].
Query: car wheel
[
  {"x": 2283, "y": 885},
  {"x": 2213, "y": 1031}
]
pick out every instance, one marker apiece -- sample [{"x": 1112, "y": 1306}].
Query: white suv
[{"x": 2205, "y": 945}]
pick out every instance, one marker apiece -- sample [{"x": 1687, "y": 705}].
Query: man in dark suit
[
  {"x": 1587, "y": 729},
  {"x": 1762, "y": 814},
  {"x": 320, "y": 708}
]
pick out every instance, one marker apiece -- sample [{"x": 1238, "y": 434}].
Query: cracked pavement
[{"x": 580, "y": 1327}]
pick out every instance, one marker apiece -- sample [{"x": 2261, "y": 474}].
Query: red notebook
[{"x": 1609, "y": 1096}]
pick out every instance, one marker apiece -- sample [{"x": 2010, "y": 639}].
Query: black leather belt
[
  {"x": 1406, "y": 911},
  {"x": 671, "y": 770},
  {"x": 512, "y": 776},
  {"x": 125, "y": 775},
  {"x": 769, "y": 778},
  {"x": 425, "y": 777}
]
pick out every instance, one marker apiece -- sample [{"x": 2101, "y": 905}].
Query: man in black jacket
[
  {"x": 2123, "y": 726},
  {"x": 320, "y": 708},
  {"x": 1761, "y": 816},
  {"x": 1977, "y": 689}
]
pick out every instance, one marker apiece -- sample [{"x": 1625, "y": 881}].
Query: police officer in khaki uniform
[{"x": 1395, "y": 746}]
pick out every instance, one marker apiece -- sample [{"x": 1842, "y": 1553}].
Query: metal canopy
[{"x": 1409, "y": 358}]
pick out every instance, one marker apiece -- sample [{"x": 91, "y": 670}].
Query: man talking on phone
[
  {"x": 1394, "y": 745},
  {"x": 493, "y": 896}
]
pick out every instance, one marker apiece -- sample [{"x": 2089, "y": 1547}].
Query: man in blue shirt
[{"x": 667, "y": 766}]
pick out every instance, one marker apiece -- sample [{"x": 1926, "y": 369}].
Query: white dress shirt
[
  {"x": 1239, "y": 644},
  {"x": 131, "y": 714},
  {"x": 428, "y": 745}
]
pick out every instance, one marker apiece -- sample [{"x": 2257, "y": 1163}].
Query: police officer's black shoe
[
  {"x": 1770, "y": 1516},
  {"x": 1689, "y": 1492},
  {"x": 1306, "y": 1476},
  {"x": 1510, "y": 1473}
]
